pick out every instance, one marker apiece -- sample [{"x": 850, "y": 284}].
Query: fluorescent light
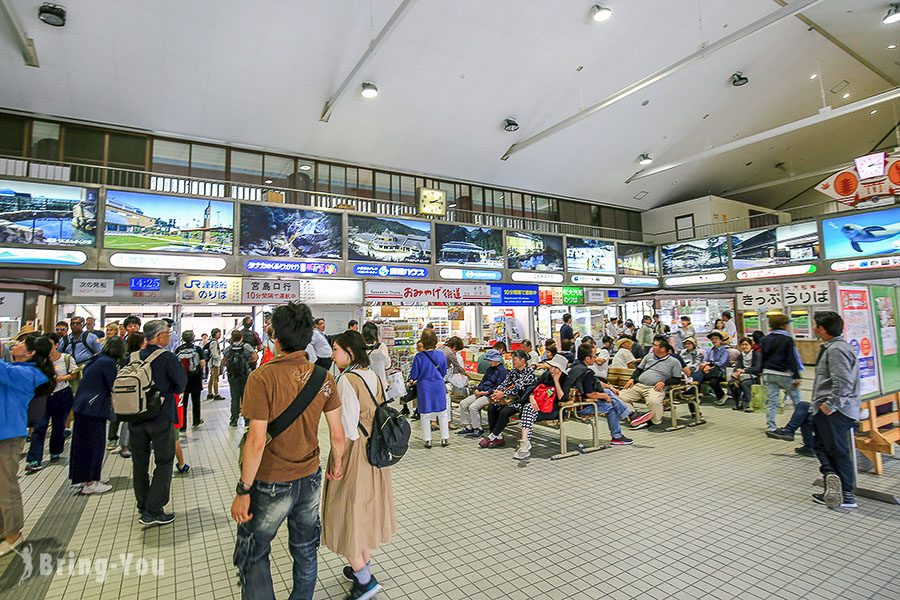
[
  {"x": 600, "y": 13},
  {"x": 873, "y": 111},
  {"x": 893, "y": 14},
  {"x": 813, "y": 76},
  {"x": 891, "y": 46},
  {"x": 269, "y": 181},
  {"x": 305, "y": 167},
  {"x": 369, "y": 90},
  {"x": 644, "y": 159},
  {"x": 846, "y": 95}
]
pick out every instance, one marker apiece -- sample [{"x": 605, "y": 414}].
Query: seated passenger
[
  {"x": 470, "y": 407},
  {"x": 624, "y": 359},
  {"x": 565, "y": 349},
  {"x": 714, "y": 365},
  {"x": 745, "y": 375},
  {"x": 533, "y": 357},
  {"x": 507, "y": 399},
  {"x": 649, "y": 380},
  {"x": 483, "y": 361},
  {"x": 693, "y": 358},
  {"x": 549, "y": 350},
  {"x": 582, "y": 378},
  {"x": 601, "y": 360},
  {"x": 542, "y": 402}
]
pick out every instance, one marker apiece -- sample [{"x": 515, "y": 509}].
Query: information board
[{"x": 859, "y": 331}]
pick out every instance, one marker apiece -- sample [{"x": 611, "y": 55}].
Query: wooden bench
[
  {"x": 618, "y": 377},
  {"x": 568, "y": 413},
  {"x": 691, "y": 392},
  {"x": 879, "y": 433}
]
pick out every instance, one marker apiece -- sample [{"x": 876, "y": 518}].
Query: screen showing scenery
[
  {"x": 291, "y": 232},
  {"x": 862, "y": 234},
  {"x": 52, "y": 215},
  {"x": 469, "y": 246},
  {"x": 533, "y": 251},
  {"x": 775, "y": 246},
  {"x": 590, "y": 256},
  {"x": 167, "y": 223},
  {"x": 636, "y": 259},
  {"x": 710, "y": 254},
  {"x": 389, "y": 240}
]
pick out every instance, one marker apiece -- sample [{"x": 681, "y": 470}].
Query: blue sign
[
  {"x": 388, "y": 271},
  {"x": 144, "y": 284},
  {"x": 514, "y": 295},
  {"x": 613, "y": 293},
  {"x": 474, "y": 275},
  {"x": 286, "y": 266}
]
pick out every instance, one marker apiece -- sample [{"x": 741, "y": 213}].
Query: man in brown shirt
[{"x": 282, "y": 480}]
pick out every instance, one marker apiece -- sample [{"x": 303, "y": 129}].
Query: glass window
[
  {"x": 127, "y": 151},
  {"x": 247, "y": 167},
  {"x": 383, "y": 186},
  {"x": 352, "y": 181},
  {"x": 323, "y": 180},
  {"x": 407, "y": 190},
  {"x": 477, "y": 198},
  {"x": 45, "y": 140},
  {"x": 207, "y": 162},
  {"x": 622, "y": 220},
  {"x": 278, "y": 169},
  {"x": 365, "y": 184},
  {"x": 338, "y": 179},
  {"x": 171, "y": 157},
  {"x": 12, "y": 135},
  {"x": 634, "y": 222},
  {"x": 83, "y": 145},
  {"x": 306, "y": 170},
  {"x": 516, "y": 208}
]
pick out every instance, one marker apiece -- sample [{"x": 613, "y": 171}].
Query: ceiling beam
[
  {"x": 26, "y": 44},
  {"x": 704, "y": 52},
  {"x": 825, "y": 114},
  {"x": 395, "y": 18}
]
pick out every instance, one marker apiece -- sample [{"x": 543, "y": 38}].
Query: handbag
[
  {"x": 277, "y": 425},
  {"x": 545, "y": 397}
]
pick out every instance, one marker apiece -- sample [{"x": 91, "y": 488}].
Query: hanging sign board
[
  {"x": 269, "y": 291},
  {"x": 124, "y": 288},
  {"x": 816, "y": 292},
  {"x": 759, "y": 297},
  {"x": 573, "y": 295},
  {"x": 199, "y": 289},
  {"x": 874, "y": 180},
  {"x": 859, "y": 331},
  {"x": 425, "y": 293},
  {"x": 93, "y": 288}
]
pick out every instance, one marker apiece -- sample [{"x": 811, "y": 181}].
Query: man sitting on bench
[
  {"x": 470, "y": 407},
  {"x": 648, "y": 382},
  {"x": 508, "y": 398},
  {"x": 582, "y": 378}
]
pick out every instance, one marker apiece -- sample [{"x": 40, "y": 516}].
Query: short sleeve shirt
[{"x": 270, "y": 389}]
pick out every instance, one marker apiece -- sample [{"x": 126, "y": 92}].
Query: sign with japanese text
[
  {"x": 514, "y": 295},
  {"x": 760, "y": 297},
  {"x": 859, "y": 331},
  {"x": 198, "y": 289},
  {"x": 549, "y": 296},
  {"x": 258, "y": 265},
  {"x": 390, "y": 271},
  {"x": 573, "y": 295},
  {"x": 816, "y": 292},
  {"x": 425, "y": 293},
  {"x": 93, "y": 288},
  {"x": 269, "y": 291},
  {"x": 597, "y": 296},
  {"x": 126, "y": 288}
]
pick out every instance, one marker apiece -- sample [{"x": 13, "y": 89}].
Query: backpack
[
  {"x": 251, "y": 338},
  {"x": 389, "y": 439},
  {"x": 135, "y": 396},
  {"x": 236, "y": 364},
  {"x": 206, "y": 351},
  {"x": 189, "y": 357}
]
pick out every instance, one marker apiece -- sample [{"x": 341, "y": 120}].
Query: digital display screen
[
  {"x": 710, "y": 254},
  {"x": 590, "y": 256},
  {"x": 775, "y": 246},
  {"x": 144, "y": 284},
  {"x": 44, "y": 214},
  {"x": 533, "y": 251},
  {"x": 290, "y": 232},
  {"x": 388, "y": 240},
  {"x": 468, "y": 245},
  {"x": 860, "y": 235}
]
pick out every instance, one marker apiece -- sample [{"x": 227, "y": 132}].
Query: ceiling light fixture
[
  {"x": 644, "y": 159},
  {"x": 52, "y": 14},
  {"x": 306, "y": 167},
  {"x": 893, "y": 14},
  {"x": 873, "y": 111},
  {"x": 738, "y": 79},
  {"x": 845, "y": 95},
  {"x": 369, "y": 90},
  {"x": 269, "y": 181},
  {"x": 510, "y": 124},
  {"x": 813, "y": 76},
  {"x": 600, "y": 13}
]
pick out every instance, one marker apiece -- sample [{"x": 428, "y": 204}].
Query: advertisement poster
[
  {"x": 859, "y": 235},
  {"x": 389, "y": 240},
  {"x": 785, "y": 245},
  {"x": 751, "y": 323},
  {"x": 55, "y": 215},
  {"x": 710, "y": 254},
  {"x": 885, "y": 299},
  {"x": 859, "y": 331},
  {"x": 590, "y": 256},
  {"x": 136, "y": 221},
  {"x": 636, "y": 259},
  {"x": 533, "y": 251},
  {"x": 469, "y": 246},
  {"x": 800, "y": 324},
  {"x": 289, "y": 232}
]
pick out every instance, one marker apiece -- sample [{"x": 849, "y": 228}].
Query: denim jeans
[
  {"x": 270, "y": 504},
  {"x": 802, "y": 420},
  {"x": 774, "y": 384},
  {"x": 832, "y": 446},
  {"x": 614, "y": 409}
]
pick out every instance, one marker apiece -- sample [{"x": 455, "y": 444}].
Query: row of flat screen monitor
[{"x": 37, "y": 213}]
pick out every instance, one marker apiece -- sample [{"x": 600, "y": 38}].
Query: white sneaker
[
  {"x": 104, "y": 480},
  {"x": 523, "y": 451},
  {"x": 96, "y": 488},
  {"x": 6, "y": 547}
]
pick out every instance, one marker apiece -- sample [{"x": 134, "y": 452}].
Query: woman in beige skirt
[{"x": 358, "y": 512}]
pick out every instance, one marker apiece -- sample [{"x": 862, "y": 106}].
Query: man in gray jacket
[{"x": 835, "y": 410}]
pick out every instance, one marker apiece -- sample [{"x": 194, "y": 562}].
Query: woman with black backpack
[
  {"x": 237, "y": 361},
  {"x": 192, "y": 360},
  {"x": 358, "y": 512}
]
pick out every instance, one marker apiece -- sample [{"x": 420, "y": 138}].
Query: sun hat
[
  {"x": 621, "y": 341},
  {"x": 691, "y": 340},
  {"x": 712, "y": 334},
  {"x": 493, "y": 356},
  {"x": 26, "y": 329},
  {"x": 559, "y": 361}
]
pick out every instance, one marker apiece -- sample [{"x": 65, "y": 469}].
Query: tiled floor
[{"x": 718, "y": 511}]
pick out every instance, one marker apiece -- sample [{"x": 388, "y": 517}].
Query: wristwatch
[{"x": 242, "y": 488}]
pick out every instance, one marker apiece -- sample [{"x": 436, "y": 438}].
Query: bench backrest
[{"x": 887, "y": 418}]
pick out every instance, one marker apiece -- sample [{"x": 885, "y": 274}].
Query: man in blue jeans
[
  {"x": 802, "y": 420},
  {"x": 780, "y": 367},
  {"x": 282, "y": 480}
]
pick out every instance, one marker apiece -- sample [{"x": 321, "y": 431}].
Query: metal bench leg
[
  {"x": 698, "y": 420},
  {"x": 675, "y": 426},
  {"x": 563, "y": 442},
  {"x": 595, "y": 435}
]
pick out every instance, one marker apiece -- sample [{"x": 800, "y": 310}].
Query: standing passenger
[
  {"x": 427, "y": 372},
  {"x": 780, "y": 367}
]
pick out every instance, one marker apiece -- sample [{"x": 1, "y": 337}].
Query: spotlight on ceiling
[
  {"x": 52, "y": 14},
  {"x": 738, "y": 79},
  {"x": 893, "y": 14},
  {"x": 510, "y": 124},
  {"x": 305, "y": 167},
  {"x": 369, "y": 90},
  {"x": 269, "y": 181},
  {"x": 644, "y": 159},
  {"x": 600, "y": 13},
  {"x": 813, "y": 76}
]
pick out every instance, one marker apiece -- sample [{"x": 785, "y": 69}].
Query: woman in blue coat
[
  {"x": 428, "y": 370},
  {"x": 93, "y": 409},
  {"x": 30, "y": 374}
]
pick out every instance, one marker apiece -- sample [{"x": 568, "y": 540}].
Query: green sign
[
  {"x": 751, "y": 323},
  {"x": 800, "y": 323},
  {"x": 884, "y": 303},
  {"x": 573, "y": 295}
]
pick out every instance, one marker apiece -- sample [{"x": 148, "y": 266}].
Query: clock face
[{"x": 432, "y": 202}]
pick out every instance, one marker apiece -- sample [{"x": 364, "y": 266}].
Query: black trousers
[
  {"x": 236, "y": 387},
  {"x": 832, "y": 446},
  {"x": 114, "y": 429},
  {"x": 325, "y": 363},
  {"x": 152, "y": 495},
  {"x": 192, "y": 393},
  {"x": 499, "y": 415},
  {"x": 88, "y": 448},
  {"x": 716, "y": 384}
]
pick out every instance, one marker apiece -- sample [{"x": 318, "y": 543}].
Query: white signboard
[
  {"x": 595, "y": 296},
  {"x": 816, "y": 292},
  {"x": 425, "y": 293},
  {"x": 269, "y": 291},
  {"x": 759, "y": 297},
  {"x": 11, "y": 305},
  {"x": 97, "y": 288},
  {"x": 535, "y": 277},
  {"x": 202, "y": 289},
  {"x": 859, "y": 331}
]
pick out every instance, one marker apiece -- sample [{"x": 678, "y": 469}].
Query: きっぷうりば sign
[{"x": 759, "y": 297}]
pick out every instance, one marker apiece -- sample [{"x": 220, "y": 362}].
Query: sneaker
[
  {"x": 465, "y": 431},
  {"x": 54, "y": 457},
  {"x": 445, "y": 443},
  {"x": 523, "y": 451},
  {"x": 96, "y": 488},
  {"x": 748, "y": 410},
  {"x": 498, "y": 443},
  {"x": 232, "y": 423},
  {"x": 6, "y": 547},
  {"x": 484, "y": 442},
  {"x": 67, "y": 434},
  {"x": 348, "y": 573},
  {"x": 804, "y": 451},
  {"x": 183, "y": 468},
  {"x": 780, "y": 434},
  {"x": 771, "y": 429},
  {"x": 848, "y": 500},
  {"x": 621, "y": 441},
  {"x": 149, "y": 520},
  {"x": 125, "y": 453},
  {"x": 198, "y": 424},
  {"x": 643, "y": 425},
  {"x": 428, "y": 445},
  {"x": 33, "y": 466},
  {"x": 113, "y": 444},
  {"x": 640, "y": 420},
  {"x": 476, "y": 433},
  {"x": 833, "y": 491},
  {"x": 364, "y": 592},
  {"x": 819, "y": 499}
]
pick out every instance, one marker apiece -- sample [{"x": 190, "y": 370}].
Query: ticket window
[{"x": 801, "y": 323}]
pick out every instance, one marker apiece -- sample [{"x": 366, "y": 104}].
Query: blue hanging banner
[{"x": 514, "y": 295}]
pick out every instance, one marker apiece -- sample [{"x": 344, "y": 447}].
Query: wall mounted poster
[
  {"x": 388, "y": 240},
  {"x": 859, "y": 331},
  {"x": 160, "y": 223},
  {"x": 636, "y": 259},
  {"x": 859, "y": 235},
  {"x": 533, "y": 251},
  {"x": 292, "y": 232},
  {"x": 785, "y": 245},
  {"x": 710, "y": 254},
  {"x": 885, "y": 299},
  {"x": 590, "y": 256},
  {"x": 55, "y": 215},
  {"x": 469, "y": 246}
]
